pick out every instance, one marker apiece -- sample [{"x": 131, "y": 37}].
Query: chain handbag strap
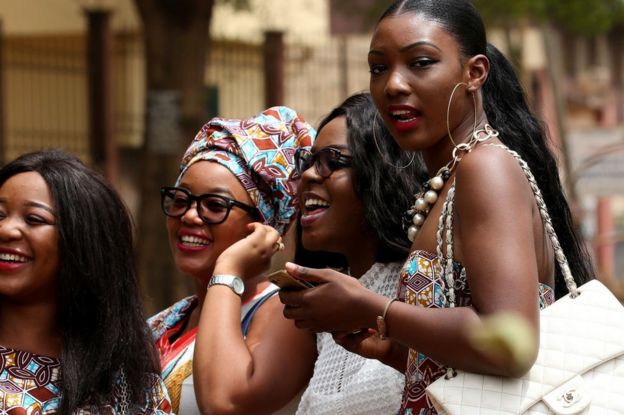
[
  {"x": 123, "y": 398},
  {"x": 444, "y": 234}
]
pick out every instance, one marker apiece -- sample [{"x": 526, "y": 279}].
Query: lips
[
  {"x": 313, "y": 208},
  {"x": 404, "y": 117},
  {"x": 190, "y": 242},
  {"x": 11, "y": 259}
]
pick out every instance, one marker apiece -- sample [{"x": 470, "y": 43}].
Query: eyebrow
[
  {"x": 215, "y": 190},
  {"x": 407, "y": 47},
  {"x": 336, "y": 146},
  {"x": 33, "y": 204}
]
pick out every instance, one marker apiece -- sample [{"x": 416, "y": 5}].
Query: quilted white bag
[{"x": 580, "y": 364}]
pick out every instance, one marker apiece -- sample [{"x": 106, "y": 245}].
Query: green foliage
[{"x": 585, "y": 17}]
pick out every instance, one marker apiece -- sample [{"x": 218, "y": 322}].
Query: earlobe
[{"x": 478, "y": 68}]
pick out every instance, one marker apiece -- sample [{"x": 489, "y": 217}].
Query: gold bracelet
[{"x": 382, "y": 327}]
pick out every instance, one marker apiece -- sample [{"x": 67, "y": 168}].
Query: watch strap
[{"x": 235, "y": 283}]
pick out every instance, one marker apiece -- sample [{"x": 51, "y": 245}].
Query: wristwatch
[{"x": 235, "y": 283}]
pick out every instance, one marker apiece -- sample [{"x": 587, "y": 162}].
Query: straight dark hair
[
  {"x": 101, "y": 316},
  {"x": 507, "y": 111},
  {"x": 385, "y": 177}
]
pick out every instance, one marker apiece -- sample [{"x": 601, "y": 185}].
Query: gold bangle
[{"x": 382, "y": 327}]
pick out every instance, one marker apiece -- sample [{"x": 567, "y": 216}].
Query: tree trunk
[{"x": 176, "y": 35}]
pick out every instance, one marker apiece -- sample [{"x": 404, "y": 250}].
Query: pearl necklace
[{"x": 425, "y": 199}]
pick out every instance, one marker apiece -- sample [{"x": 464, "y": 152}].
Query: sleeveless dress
[
  {"x": 347, "y": 383},
  {"x": 176, "y": 358},
  {"x": 420, "y": 284}
]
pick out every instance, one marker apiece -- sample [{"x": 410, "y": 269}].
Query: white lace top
[{"x": 346, "y": 383}]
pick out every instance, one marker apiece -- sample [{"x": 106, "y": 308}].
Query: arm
[
  {"x": 496, "y": 238},
  {"x": 259, "y": 373}
]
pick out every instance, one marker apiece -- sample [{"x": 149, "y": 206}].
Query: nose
[
  {"x": 396, "y": 84},
  {"x": 310, "y": 175},
  {"x": 191, "y": 216},
  {"x": 9, "y": 229}
]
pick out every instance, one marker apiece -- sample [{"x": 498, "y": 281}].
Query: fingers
[
  {"x": 348, "y": 337},
  {"x": 314, "y": 274},
  {"x": 265, "y": 238}
]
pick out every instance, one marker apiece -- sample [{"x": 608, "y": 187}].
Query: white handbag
[{"x": 580, "y": 364}]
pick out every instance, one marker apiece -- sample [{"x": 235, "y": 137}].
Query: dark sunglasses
[
  {"x": 325, "y": 161},
  {"x": 211, "y": 208}
]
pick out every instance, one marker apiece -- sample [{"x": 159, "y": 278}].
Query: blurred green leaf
[{"x": 585, "y": 17}]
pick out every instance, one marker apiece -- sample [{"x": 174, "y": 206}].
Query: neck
[
  {"x": 362, "y": 256},
  {"x": 441, "y": 153},
  {"x": 31, "y": 327}
]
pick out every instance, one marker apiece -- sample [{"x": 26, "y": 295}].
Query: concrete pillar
[
  {"x": 99, "y": 74},
  {"x": 2, "y": 126},
  {"x": 273, "y": 68}
]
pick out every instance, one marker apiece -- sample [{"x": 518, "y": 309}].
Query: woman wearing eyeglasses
[
  {"x": 352, "y": 197},
  {"x": 228, "y": 349}
]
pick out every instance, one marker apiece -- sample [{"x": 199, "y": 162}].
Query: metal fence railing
[{"x": 45, "y": 92}]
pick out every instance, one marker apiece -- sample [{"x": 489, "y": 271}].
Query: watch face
[{"x": 238, "y": 286}]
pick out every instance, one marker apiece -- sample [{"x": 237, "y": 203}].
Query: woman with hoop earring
[{"x": 478, "y": 243}]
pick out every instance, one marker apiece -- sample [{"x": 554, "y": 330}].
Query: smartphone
[{"x": 284, "y": 280}]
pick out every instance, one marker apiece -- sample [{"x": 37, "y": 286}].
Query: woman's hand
[
  {"x": 367, "y": 344},
  {"x": 338, "y": 303},
  {"x": 251, "y": 256}
]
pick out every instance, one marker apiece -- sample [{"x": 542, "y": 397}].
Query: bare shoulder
[
  {"x": 270, "y": 319},
  {"x": 489, "y": 174}
]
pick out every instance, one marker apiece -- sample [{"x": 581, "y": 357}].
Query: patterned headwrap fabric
[{"x": 260, "y": 152}]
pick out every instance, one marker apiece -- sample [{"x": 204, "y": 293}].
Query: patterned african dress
[
  {"x": 176, "y": 357},
  {"x": 29, "y": 385},
  {"x": 420, "y": 284}
]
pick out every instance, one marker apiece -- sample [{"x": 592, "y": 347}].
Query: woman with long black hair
[
  {"x": 440, "y": 88},
  {"x": 73, "y": 337}
]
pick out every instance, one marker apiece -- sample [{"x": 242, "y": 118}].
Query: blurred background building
[{"x": 125, "y": 84}]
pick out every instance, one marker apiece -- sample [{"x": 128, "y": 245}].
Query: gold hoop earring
[
  {"x": 448, "y": 112},
  {"x": 383, "y": 157}
]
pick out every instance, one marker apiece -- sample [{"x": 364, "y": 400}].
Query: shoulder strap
[
  {"x": 246, "y": 320},
  {"x": 445, "y": 231}
]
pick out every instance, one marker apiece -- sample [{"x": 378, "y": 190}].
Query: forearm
[
  {"x": 222, "y": 365},
  {"x": 443, "y": 335}
]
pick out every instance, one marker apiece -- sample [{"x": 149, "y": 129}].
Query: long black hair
[
  {"x": 385, "y": 177},
  {"x": 507, "y": 111},
  {"x": 101, "y": 317}
]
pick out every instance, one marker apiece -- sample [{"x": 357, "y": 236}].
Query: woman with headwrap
[{"x": 232, "y": 201}]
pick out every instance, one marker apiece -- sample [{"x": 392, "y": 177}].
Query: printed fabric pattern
[
  {"x": 260, "y": 152},
  {"x": 421, "y": 284},
  {"x": 30, "y": 385}
]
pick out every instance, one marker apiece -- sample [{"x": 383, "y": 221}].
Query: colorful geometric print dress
[
  {"x": 29, "y": 385},
  {"x": 421, "y": 284}
]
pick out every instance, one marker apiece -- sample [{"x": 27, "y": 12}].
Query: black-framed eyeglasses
[
  {"x": 211, "y": 208},
  {"x": 325, "y": 161}
]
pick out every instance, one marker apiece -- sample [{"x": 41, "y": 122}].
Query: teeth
[
  {"x": 316, "y": 203},
  {"x": 403, "y": 115},
  {"x": 12, "y": 257},
  {"x": 193, "y": 240},
  {"x": 401, "y": 112}
]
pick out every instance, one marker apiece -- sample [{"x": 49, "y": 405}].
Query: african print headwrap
[{"x": 260, "y": 152}]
